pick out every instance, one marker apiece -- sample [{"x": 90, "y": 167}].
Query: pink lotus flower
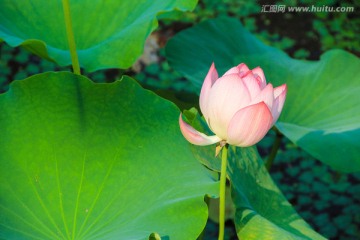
[{"x": 239, "y": 107}]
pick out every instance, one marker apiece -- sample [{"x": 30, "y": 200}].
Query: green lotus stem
[
  {"x": 222, "y": 192},
  {"x": 71, "y": 39},
  {"x": 274, "y": 149}
]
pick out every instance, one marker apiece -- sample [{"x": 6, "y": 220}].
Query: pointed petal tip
[
  {"x": 212, "y": 75},
  {"x": 243, "y": 67},
  {"x": 258, "y": 68},
  {"x": 194, "y": 136},
  {"x": 260, "y": 73},
  {"x": 285, "y": 87},
  {"x": 280, "y": 97},
  {"x": 209, "y": 81},
  {"x": 281, "y": 90},
  {"x": 240, "y": 69},
  {"x": 212, "y": 70}
]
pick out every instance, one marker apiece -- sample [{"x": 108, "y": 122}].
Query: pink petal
[
  {"x": 266, "y": 95},
  {"x": 279, "y": 90},
  {"x": 240, "y": 69},
  {"x": 258, "y": 72},
  {"x": 210, "y": 79},
  {"x": 252, "y": 84},
  {"x": 194, "y": 136},
  {"x": 226, "y": 97},
  {"x": 280, "y": 96},
  {"x": 249, "y": 125}
]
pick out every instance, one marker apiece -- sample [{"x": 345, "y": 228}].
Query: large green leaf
[
  {"x": 108, "y": 34},
  {"x": 322, "y": 110},
  {"x": 262, "y": 211},
  {"x": 80, "y": 160}
]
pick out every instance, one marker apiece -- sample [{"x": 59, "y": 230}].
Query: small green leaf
[
  {"x": 106, "y": 34},
  {"x": 80, "y": 160},
  {"x": 262, "y": 210},
  {"x": 322, "y": 110}
]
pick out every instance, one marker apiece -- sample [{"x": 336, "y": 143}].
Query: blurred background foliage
[{"x": 329, "y": 201}]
